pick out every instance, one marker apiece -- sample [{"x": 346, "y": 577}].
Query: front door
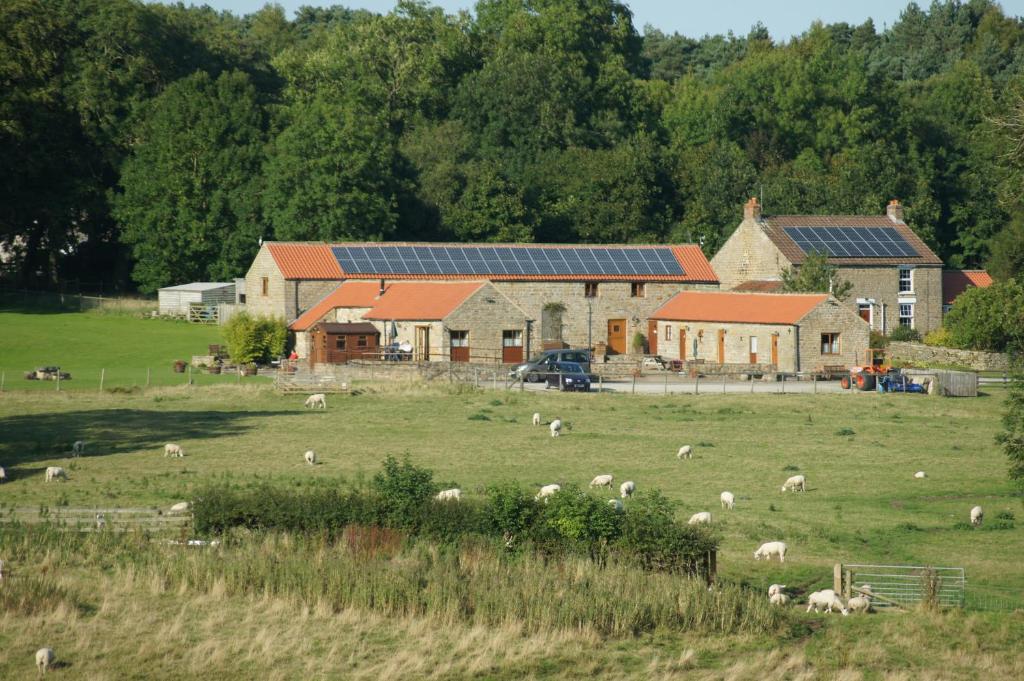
[
  {"x": 422, "y": 343},
  {"x": 652, "y": 336},
  {"x": 682, "y": 344},
  {"x": 775, "y": 349},
  {"x": 721, "y": 346},
  {"x": 617, "y": 336},
  {"x": 753, "y": 349}
]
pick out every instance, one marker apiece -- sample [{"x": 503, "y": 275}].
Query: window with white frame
[
  {"x": 668, "y": 332},
  {"x": 906, "y": 280},
  {"x": 907, "y": 315},
  {"x": 512, "y": 338},
  {"x": 460, "y": 339}
]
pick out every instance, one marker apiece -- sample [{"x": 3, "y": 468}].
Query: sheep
[
  {"x": 794, "y": 483},
  {"x": 181, "y": 507},
  {"x": 449, "y": 494},
  {"x": 536, "y": 418},
  {"x": 616, "y": 504},
  {"x": 78, "y": 448},
  {"x": 101, "y": 521},
  {"x": 775, "y": 589},
  {"x": 602, "y": 481},
  {"x": 45, "y": 658},
  {"x": 702, "y": 518},
  {"x": 778, "y": 599},
  {"x": 728, "y": 500},
  {"x": 310, "y": 457},
  {"x": 54, "y": 472},
  {"x": 556, "y": 427},
  {"x": 173, "y": 450},
  {"x": 3, "y": 474},
  {"x": 859, "y": 604},
  {"x": 547, "y": 491},
  {"x": 627, "y": 488},
  {"x": 826, "y": 599},
  {"x": 977, "y": 515},
  {"x": 685, "y": 452},
  {"x": 772, "y": 548},
  {"x": 317, "y": 400},
  {"x": 920, "y": 475}
]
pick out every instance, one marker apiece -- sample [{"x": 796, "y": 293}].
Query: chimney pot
[
  {"x": 381, "y": 292},
  {"x": 752, "y": 209},
  {"x": 895, "y": 210}
]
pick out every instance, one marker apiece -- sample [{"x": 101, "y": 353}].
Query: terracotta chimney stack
[
  {"x": 752, "y": 209},
  {"x": 895, "y": 210}
]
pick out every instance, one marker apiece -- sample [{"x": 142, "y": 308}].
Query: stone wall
[
  {"x": 257, "y": 303},
  {"x": 932, "y": 356}
]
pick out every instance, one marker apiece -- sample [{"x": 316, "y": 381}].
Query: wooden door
[
  {"x": 865, "y": 313},
  {"x": 652, "y": 337},
  {"x": 318, "y": 348},
  {"x": 617, "y": 336},
  {"x": 682, "y": 344},
  {"x": 775, "y": 349},
  {"x": 753, "y": 349},
  {"x": 422, "y": 349},
  {"x": 721, "y": 346}
]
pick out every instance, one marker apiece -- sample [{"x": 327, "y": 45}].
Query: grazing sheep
[
  {"x": 449, "y": 494},
  {"x": 977, "y": 515},
  {"x": 556, "y": 427},
  {"x": 54, "y": 472},
  {"x": 627, "y": 488},
  {"x": 794, "y": 483},
  {"x": 859, "y": 604},
  {"x": 826, "y": 599},
  {"x": 920, "y": 475},
  {"x": 775, "y": 589},
  {"x": 602, "y": 481},
  {"x": 78, "y": 448},
  {"x": 536, "y": 418},
  {"x": 685, "y": 452},
  {"x": 45, "y": 658},
  {"x": 702, "y": 518},
  {"x": 310, "y": 457},
  {"x": 616, "y": 504},
  {"x": 173, "y": 450},
  {"x": 318, "y": 400},
  {"x": 772, "y": 548},
  {"x": 3, "y": 474},
  {"x": 778, "y": 599},
  {"x": 547, "y": 491},
  {"x": 101, "y": 521},
  {"x": 181, "y": 507},
  {"x": 728, "y": 500}
]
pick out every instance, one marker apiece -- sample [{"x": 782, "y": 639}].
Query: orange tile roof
[
  {"x": 300, "y": 260},
  {"x": 759, "y": 286},
  {"x": 955, "y": 282},
  {"x": 750, "y": 308},
  {"x": 408, "y": 300},
  {"x": 348, "y": 294}
]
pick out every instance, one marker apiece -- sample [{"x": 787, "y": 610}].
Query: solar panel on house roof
[
  {"x": 507, "y": 260},
  {"x": 852, "y": 242}
]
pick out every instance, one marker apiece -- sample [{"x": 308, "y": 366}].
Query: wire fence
[{"x": 122, "y": 379}]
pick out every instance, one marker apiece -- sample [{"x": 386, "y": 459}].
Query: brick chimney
[
  {"x": 895, "y": 210},
  {"x": 752, "y": 209}
]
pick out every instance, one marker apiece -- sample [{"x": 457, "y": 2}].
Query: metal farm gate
[{"x": 903, "y": 585}]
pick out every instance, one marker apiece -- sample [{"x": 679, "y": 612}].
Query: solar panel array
[
  {"x": 500, "y": 261},
  {"x": 852, "y": 242}
]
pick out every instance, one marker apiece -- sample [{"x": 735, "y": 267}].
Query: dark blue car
[{"x": 568, "y": 376}]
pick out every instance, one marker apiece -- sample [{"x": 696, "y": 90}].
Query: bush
[
  {"x": 989, "y": 318},
  {"x": 877, "y": 339},
  {"x": 254, "y": 339},
  {"x": 904, "y": 333},
  {"x": 403, "y": 489},
  {"x": 939, "y": 338}
]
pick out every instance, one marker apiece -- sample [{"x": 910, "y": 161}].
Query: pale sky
[{"x": 694, "y": 18}]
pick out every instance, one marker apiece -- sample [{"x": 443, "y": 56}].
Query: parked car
[
  {"x": 568, "y": 376},
  {"x": 536, "y": 369}
]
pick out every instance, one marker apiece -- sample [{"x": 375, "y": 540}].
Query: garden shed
[
  {"x": 339, "y": 343},
  {"x": 175, "y": 300}
]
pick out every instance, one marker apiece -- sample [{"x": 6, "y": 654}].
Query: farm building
[
  {"x": 570, "y": 295},
  {"x": 333, "y": 343},
  {"x": 175, "y": 300},
  {"x": 761, "y": 331},
  {"x": 955, "y": 282}
]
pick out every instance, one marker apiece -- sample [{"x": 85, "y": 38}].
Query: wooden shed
[
  {"x": 175, "y": 300},
  {"x": 338, "y": 343}
]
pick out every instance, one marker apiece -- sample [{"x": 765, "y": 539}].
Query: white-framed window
[
  {"x": 668, "y": 332},
  {"x": 907, "y": 315},
  {"x": 460, "y": 339},
  {"x": 753, "y": 345},
  {"x": 512, "y": 338},
  {"x": 830, "y": 343},
  {"x": 906, "y": 280}
]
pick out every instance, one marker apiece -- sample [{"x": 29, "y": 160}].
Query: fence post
[
  {"x": 634, "y": 384},
  {"x": 783, "y": 384},
  {"x": 58, "y": 380},
  {"x": 847, "y": 587},
  {"x": 666, "y": 383},
  {"x": 751, "y": 384},
  {"x": 494, "y": 380},
  {"x": 696, "y": 384},
  {"x": 3, "y": 377},
  {"x": 723, "y": 383},
  {"x": 814, "y": 380},
  {"x": 837, "y": 578},
  {"x": 147, "y": 376},
  {"x": 600, "y": 383},
  {"x": 103, "y": 374},
  {"x": 190, "y": 374}
]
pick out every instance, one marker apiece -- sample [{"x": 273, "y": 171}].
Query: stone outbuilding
[{"x": 760, "y": 331}]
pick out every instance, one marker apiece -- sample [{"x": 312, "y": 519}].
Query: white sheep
[
  {"x": 616, "y": 504},
  {"x": 859, "y": 604},
  {"x": 78, "y": 448},
  {"x": 772, "y": 548},
  {"x": 547, "y": 491},
  {"x": 728, "y": 500},
  {"x": 778, "y": 599},
  {"x": 310, "y": 457},
  {"x": 794, "y": 483},
  {"x": 181, "y": 507},
  {"x": 556, "y": 427},
  {"x": 685, "y": 452},
  {"x": 536, "y": 418},
  {"x": 775, "y": 589},
  {"x": 45, "y": 657},
  {"x": 173, "y": 450},
  {"x": 317, "y": 400},
  {"x": 702, "y": 518},
  {"x": 977, "y": 515},
  {"x": 627, "y": 488},
  {"x": 826, "y": 599},
  {"x": 54, "y": 472},
  {"x": 602, "y": 481},
  {"x": 3, "y": 474},
  {"x": 101, "y": 521},
  {"x": 453, "y": 494},
  {"x": 920, "y": 475}
]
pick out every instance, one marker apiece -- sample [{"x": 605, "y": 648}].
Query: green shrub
[
  {"x": 578, "y": 518},
  {"x": 254, "y": 339},
  {"x": 843, "y": 432},
  {"x": 904, "y": 333},
  {"x": 877, "y": 339},
  {"x": 989, "y": 318},
  {"x": 939, "y": 338},
  {"x": 654, "y": 540},
  {"x": 509, "y": 512},
  {"x": 403, "y": 489}
]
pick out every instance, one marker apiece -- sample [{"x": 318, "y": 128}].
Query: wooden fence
[{"x": 85, "y": 519}]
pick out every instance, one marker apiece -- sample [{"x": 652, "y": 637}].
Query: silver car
[{"x": 537, "y": 368}]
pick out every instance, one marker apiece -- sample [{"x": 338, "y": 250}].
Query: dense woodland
[{"x": 145, "y": 145}]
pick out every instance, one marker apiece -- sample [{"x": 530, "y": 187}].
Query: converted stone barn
[
  {"x": 897, "y": 279},
  {"x": 760, "y": 331}
]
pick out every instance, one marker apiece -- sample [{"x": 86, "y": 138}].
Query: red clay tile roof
[
  {"x": 428, "y": 301},
  {"x": 955, "y": 282},
  {"x": 749, "y": 308},
  {"x": 348, "y": 294},
  {"x": 760, "y": 286},
  {"x": 775, "y": 225},
  {"x": 303, "y": 260}
]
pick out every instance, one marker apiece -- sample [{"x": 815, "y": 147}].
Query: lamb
[
  {"x": 920, "y": 475},
  {"x": 728, "y": 500},
  {"x": 702, "y": 518},
  {"x": 977, "y": 515},
  {"x": 310, "y": 457},
  {"x": 317, "y": 400},
  {"x": 181, "y": 507},
  {"x": 449, "y": 494},
  {"x": 547, "y": 491},
  {"x": 173, "y": 450},
  {"x": 78, "y": 448},
  {"x": 859, "y": 604},
  {"x": 778, "y": 599},
  {"x": 45, "y": 658},
  {"x": 685, "y": 452},
  {"x": 54, "y": 472},
  {"x": 602, "y": 481},
  {"x": 772, "y": 548},
  {"x": 794, "y": 483},
  {"x": 627, "y": 488},
  {"x": 826, "y": 599},
  {"x": 536, "y": 418},
  {"x": 101, "y": 521},
  {"x": 556, "y": 427},
  {"x": 775, "y": 589},
  {"x": 616, "y": 504}
]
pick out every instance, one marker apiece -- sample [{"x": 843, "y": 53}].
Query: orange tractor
[{"x": 865, "y": 376}]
